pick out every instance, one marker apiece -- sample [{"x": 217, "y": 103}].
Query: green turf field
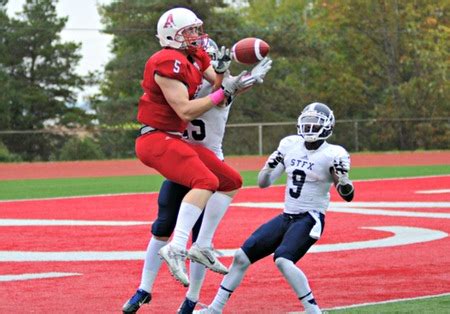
[
  {"x": 44, "y": 188},
  {"x": 40, "y": 188},
  {"x": 432, "y": 305}
]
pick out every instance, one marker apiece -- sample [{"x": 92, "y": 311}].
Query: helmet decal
[{"x": 169, "y": 21}]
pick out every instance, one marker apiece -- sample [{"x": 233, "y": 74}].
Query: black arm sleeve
[{"x": 347, "y": 192}]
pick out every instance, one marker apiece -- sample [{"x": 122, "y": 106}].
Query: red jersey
[{"x": 153, "y": 109}]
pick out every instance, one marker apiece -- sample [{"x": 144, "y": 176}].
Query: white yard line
[{"x": 19, "y": 277}]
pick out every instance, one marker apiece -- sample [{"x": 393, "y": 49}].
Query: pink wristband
[{"x": 217, "y": 97}]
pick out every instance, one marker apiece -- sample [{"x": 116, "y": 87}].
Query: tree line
[{"x": 376, "y": 59}]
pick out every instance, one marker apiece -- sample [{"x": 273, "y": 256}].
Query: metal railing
[
  {"x": 240, "y": 139},
  {"x": 356, "y": 125}
]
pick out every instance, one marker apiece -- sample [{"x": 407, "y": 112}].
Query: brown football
[{"x": 250, "y": 50}]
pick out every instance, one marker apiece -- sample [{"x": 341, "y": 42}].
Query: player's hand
[
  {"x": 274, "y": 159},
  {"x": 341, "y": 167},
  {"x": 232, "y": 85},
  {"x": 223, "y": 60},
  {"x": 260, "y": 70}
]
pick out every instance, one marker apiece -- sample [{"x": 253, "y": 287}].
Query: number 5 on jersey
[{"x": 176, "y": 66}]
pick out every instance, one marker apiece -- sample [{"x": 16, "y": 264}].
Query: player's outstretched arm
[
  {"x": 344, "y": 186},
  {"x": 272, "y": 170}
]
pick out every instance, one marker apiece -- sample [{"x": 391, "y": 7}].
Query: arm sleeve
[{"x": 270, "y": 173}]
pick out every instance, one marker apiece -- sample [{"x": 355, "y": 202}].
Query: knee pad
[
  {"x": 163, "y": 228},
  {"x": 210, "y": 183},
  {"x": 231, "y": 183}
]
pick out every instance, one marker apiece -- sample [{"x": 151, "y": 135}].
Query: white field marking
[
  {"x": 382, "y": 302},
  {"x": 73, "y": 256},
  {"x": 57, "y": 222},
  {"x": 36, "y": 276},
  {"x": 392, "y": 204},
  {"x": 351, "y": 208},
  {"x": 442, "y": 191},
  {"x": 156, "y": 192},
  {"x": 401, "y": 236},
  {"x": 72, "y": 197}
]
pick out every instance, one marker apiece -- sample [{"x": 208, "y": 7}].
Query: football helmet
[
  {"x": 180, "y": 28},
  {"x": 316, "y": 122},
  {"x": 210, "y": 47}
]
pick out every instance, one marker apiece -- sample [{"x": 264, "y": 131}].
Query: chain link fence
[{"x": 240, "y": 139}]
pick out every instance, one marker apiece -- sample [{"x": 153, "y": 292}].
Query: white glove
[
  {"x": 341, "y": 167},
  {"x": 233, "y": 84},
  {"x": 223, "y": 60},
  {"x": 260, "y": 70},
  {"x": 274, "y": 159}
]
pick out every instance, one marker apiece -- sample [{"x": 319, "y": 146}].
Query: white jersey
[
  {"x": 209, "y": 129},
  {"x": 308, "y": 174}
]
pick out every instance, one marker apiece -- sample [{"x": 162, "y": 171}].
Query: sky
[{"x": 83, "y": 27}]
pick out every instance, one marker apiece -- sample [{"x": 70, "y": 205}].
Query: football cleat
[
  {"x": 206, "y": 310},
  {"x": 187, "y": 307},
  {"x": 176, "y": 260},
  {"x": 137, "y": 300},
  {"x": 206, "y": 257}
]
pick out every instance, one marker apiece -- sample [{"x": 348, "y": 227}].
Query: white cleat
[
  {"x": 206, "y": 257},
  {"x": 176, "y": 260},
  {"x": 206, "y": 310}
]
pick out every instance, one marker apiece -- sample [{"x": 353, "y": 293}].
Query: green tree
[
  {"x": 81, "y": 149},
  {"x": 400, "y": 51},
  {"x": 39, "y": 72}
]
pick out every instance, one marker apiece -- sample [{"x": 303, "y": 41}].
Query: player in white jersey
[
  {"x": 312, "y": 165},
  {"x": 207, "y": 130}
]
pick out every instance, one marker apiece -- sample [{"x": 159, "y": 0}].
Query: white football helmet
[
  {"x": 210, "y": 47},
  {"x": 180, "y": 28},
  {"x": 316, "y": 122}
]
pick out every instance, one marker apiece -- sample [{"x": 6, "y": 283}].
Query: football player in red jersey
[
  {"x": 207, "y": 130},
  {"x": 172, "y": 78}
]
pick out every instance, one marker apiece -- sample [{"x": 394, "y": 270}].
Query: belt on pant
[
  {"x": 295, "y": 216},
  {"x": 148, "y": 129}
]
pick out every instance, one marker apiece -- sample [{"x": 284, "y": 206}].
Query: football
[{"x": 249, "y": 50}]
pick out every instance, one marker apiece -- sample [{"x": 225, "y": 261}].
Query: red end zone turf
[{"x": 339, "y": 278}]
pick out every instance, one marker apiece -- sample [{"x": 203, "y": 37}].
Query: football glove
[
  {"x": 274, "y": 159},
  {"x": 344, "y": 186},
  {"x": 223, "y": 60},
  {"x": 260, "y": 70},
  {"x": 233, "y": 84},
  {"x": 341, "y": 166}
]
